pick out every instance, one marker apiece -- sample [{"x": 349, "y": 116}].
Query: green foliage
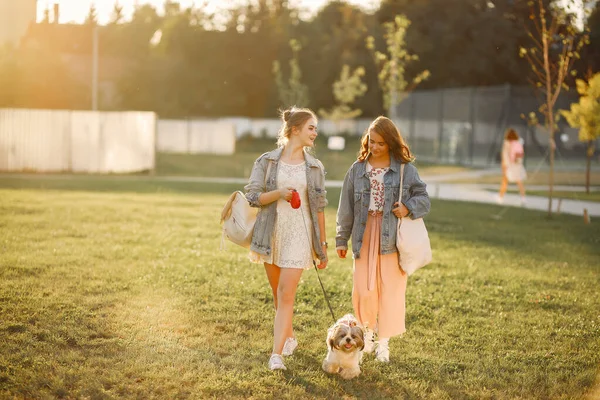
[
  {"x": 38, "y": 78},
  {"x": 555, "y": 45},
  {"x": 585, "y": 114},
  {"x": 294, "y": 92},
  {"x": 393, "y": 64},
  {"x": 345, "y": 90},
  {"x": 107, "y": 293},
  {"x": 214, "y": 65}
]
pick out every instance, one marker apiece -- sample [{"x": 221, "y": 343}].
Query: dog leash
[{"x": 317, "y": 269}]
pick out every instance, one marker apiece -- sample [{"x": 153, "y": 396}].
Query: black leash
[{"x": 317, "y": 269}]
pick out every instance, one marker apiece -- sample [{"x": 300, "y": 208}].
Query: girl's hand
[
  {"x": 342, "y": 253},
  {"x": 286, "y": 193},
  {"x": 322, "y": 264},
  {"x": 400, "y": 210}
]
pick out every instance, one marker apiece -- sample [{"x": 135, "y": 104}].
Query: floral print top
[{"x": 377, "y": 193}]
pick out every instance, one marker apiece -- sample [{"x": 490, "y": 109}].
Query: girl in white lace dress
[
  {"x": 292, "y": 241},
  {"x": 288, "y": 240}
]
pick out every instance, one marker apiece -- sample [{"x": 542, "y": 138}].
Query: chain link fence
[{"x": 466, "y": 125}]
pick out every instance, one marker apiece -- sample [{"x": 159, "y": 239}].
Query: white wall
[
  {"x": 76, "y": 141},
  {"x": 196, "y": 136},
  {"x": 270, "y": 127}
]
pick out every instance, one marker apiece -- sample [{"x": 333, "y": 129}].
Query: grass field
[
  {"x": 582, "y": 196},
  {"x": 541, "y": 178},
  {"x": 336, "y": 164},
  {"x": 118, "y": 290}
]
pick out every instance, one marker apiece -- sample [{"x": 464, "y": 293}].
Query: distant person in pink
[{"x": 513, "y": 170}]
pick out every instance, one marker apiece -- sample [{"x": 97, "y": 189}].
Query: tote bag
[
  {"x": 412, "y": 240},
  {"x": 238, "y": 218}
]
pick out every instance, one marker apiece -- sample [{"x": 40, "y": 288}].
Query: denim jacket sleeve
[
  {"x": 256, "y": 183},
  {"x": 322, "y": 193},
  {"x": 345, "y": 213},
  {"x": 418, "y": 203}
]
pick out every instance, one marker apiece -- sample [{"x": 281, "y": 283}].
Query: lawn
[
  {"x": 541, "y": 178},
  {"x": 582, "y": 196},
  {"x": 336, "y": 164},
  {"x": 119, "y": 290}
]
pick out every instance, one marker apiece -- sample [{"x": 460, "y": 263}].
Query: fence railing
[{"x": 76, "y": 141}]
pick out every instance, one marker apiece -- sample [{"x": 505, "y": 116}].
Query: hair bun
[{"x": 287, "y": 114}]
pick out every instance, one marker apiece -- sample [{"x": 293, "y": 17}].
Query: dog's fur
[{"x": 345, "y": 342}]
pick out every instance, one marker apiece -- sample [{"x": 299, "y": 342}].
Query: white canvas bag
[
  {"x": 238, "y": 218},
  {"x": 412, "y": 240}
]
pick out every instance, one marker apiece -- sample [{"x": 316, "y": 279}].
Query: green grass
[
  {"x": 541, "y": 178},
  {"x": 113, "y": 290},
  {"x": 336, "y": 164},
  {"x": 583, "y": 196}
]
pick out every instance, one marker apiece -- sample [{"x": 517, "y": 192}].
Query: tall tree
[
  {"x": 392, "y": 64},
  {"x": 555, "y": 44},
  {"x": 346, "y": 90},
  {"x": 92, "y": 16},
  {"x": 294, "y": 91},
  {"x": 116, "y": 16}
]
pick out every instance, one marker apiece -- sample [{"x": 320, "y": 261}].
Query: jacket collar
[
  {"x": 394, "y": 164},
  {"x": 275, "y": 155}
]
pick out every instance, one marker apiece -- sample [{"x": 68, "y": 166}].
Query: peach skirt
[{"x": 379, "y": 289}]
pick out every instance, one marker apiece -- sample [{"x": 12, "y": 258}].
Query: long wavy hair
[
  {"x": 393, "y": 138},
  {"x": 511, "y": 134},
  {"x": 290, "y": 118}
]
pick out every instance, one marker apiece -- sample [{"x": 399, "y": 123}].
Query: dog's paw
[
  {"x": 349, "y": 373},
  {"x": 331, "y": 368}
]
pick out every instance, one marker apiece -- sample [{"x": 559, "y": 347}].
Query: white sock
[{"x": 384, "y": 341}]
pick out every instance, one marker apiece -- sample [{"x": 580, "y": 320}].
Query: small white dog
[{"x": 345, "y": 342}]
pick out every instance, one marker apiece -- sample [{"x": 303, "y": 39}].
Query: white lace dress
[{"x": 292, "y": 240}]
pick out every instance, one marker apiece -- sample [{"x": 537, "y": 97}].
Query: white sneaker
[
  {"x": 289, "y": 346},
  {"x": 523, "y": 201},
  {"x": 382, "y": 354},
  {"x": 369, "y": 341},
  {"x": 499, "y": 199},
  {"x": 276, "y": 362}
]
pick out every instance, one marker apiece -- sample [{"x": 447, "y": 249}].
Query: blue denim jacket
[
  {"x": 265, "y": 220},
  {"x": 354, "y": 204}
]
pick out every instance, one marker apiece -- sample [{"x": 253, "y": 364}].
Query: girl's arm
[
  {"x": 323, "y": 236},
  {"x": 255, "y": 189},
  {"x": 418, "y": 203},
  {"x": 345, "y": 214}
]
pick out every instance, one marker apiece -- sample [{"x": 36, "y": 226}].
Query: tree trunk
[
  {"x": 551, "y": 174},
  {"x": 590, "y": 153},
  {"x": 549, "y": 105}
]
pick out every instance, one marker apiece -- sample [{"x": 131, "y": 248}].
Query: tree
[
  {"x": 392, "y": 65},
  {"x": 294, "y": 92},
  {"x": 555, "y": 45},
  {"x": 92, "y": 17},
  {"x": 345, "y": 90},
  {"x": 585, "y": 115},
  {"x": 116, "y": 16}
]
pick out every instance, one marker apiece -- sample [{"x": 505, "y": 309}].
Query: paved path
[{"x": 437, "y": 187}]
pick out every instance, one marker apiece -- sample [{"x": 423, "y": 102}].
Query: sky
[{"x": 76, "y": 10}]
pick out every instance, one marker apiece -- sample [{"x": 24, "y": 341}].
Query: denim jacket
[
  {"x": 265, "y": 220},
  {"x": 354, "y": 204}
]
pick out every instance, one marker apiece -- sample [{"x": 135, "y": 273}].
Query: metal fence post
[
  {"x": 472, "y": 123},
  {"x": 440, "y": 126}
]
